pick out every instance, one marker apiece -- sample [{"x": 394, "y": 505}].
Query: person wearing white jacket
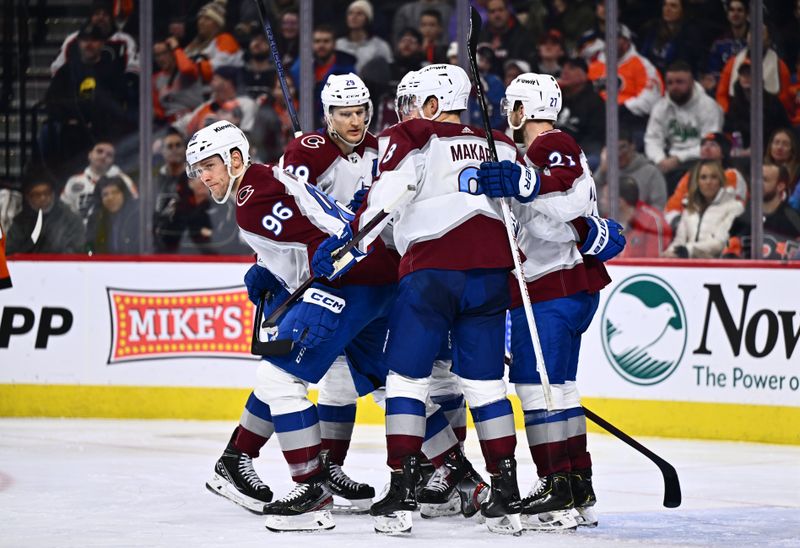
[
  {"x": 679, "y": 120},
  {"x": 704, "y": 228}
]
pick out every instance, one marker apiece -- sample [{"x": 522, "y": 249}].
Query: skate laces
[
  {"x": 249, "y": 473},
  {"x": 298, "y": 491},
  {"x": 339, "y": 477},
  {"x": 538, "y": 488},
  {"x": 438, "y": 481}
]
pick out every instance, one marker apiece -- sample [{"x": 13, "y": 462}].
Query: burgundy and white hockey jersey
[
  {"x": 284, "y": 220},
  {"x": 314, "y": 157},
  {"x": 444, "y": 225},
  {"x": 554, "y": 267}
]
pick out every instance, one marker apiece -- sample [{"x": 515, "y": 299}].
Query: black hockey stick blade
[
  {"x": 672, "y": 485},
  {"x": 279, "y": 347}
]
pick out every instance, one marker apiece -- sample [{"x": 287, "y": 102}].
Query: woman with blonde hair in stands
[{"x": 705, "y": 226}]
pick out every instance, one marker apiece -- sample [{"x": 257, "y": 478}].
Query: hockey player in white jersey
[
  {"x": 551, "y": 188},
  {"x": 448, "y": 284}
]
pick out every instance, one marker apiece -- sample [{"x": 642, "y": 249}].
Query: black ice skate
[
  {"x": 581, "y": 483},
  {"x": 548, "y": 507},
  {"x": 305, "y": 508},
  {"x": 502, "y": 508},
  {"x": 392, "y": 514},
  {"x": 236, "y": 480},
  {"x": 357, "y": 496},
  {"x": 453, "y": 488}
]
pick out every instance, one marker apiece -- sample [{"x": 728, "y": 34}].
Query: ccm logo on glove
[{"x": 331, "y": 302}]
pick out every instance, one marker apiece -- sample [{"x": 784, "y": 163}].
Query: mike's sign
[{"x": 175, "y": 324}]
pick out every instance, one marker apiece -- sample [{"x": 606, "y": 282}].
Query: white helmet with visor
[{"x": 218, "y": 139}]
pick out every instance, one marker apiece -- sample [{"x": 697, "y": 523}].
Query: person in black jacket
[
  {"x": 583, "y": 112},
  {"x": 61, "y": 230},
  {"x": 114, "y": 222}
]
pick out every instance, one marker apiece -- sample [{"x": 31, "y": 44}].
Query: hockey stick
[
  {"x": 474, "y": 27},
  {"x": 281, "y": 347},
  {"x": 276, "y": 58},
  {"x": 672, "y": 485},
  {"x": 37, "y": 228}
]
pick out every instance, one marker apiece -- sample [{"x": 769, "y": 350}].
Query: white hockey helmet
[
  {"x": 448, "y": 83},
  {"x": 539, "y": 95},
  {"x": 345, "y": 90},
  {"x": 404, "y": 99},
  {"x": 220, "y": 138}
]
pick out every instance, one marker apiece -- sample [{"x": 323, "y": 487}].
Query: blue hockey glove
[
  {"x": 605, "y": 240},
  {"x": 323, "y": 264},
  {"x": 258, "y": 281},
  {"x": 314, "y": 318},
  {"x": 506, "y": 178},
  {"x": 358, "y": 198}
]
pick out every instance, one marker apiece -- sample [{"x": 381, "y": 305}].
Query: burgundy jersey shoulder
[
  {"x": 310, "y": 155},
  {"x": 265, "y": 207},
  {"x": 370, "y": 142},
  {"x": 554, "y": 148}
]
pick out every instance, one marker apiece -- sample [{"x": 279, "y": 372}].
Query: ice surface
[{"x": 142, "y": 483}]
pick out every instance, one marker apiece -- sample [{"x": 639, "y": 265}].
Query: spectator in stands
[
  {"x": 120, "y": 44},
  {"x": 409, "y": 13},
  {"x": 777, "y": 78},
  {"x": 781, "y": 222},
  {"x": 507, "y": 38},
  {"x": 176, "y": 86},
  {"x": 326, "y": 61},
  {"x": 513, "y": 68},
  {"x": 583, "y": 110},
  {"x": 640, "y": 84},
  {"x": 61, "y": 230},
  {"x": 782, "y": 150},
  {"x": 432, "y": 31},
  {"x": 704, "y": 229},
  {"x": 729, "y": 44},
  {"x": 571, "y": 18},
  {"x": 258, "y": 74},
  {"x": 213, "y": 47},
  {"x": 87, "y": 99},
  {"x": 273, "y": 128},
  {"x": 79, "y": 191},
  {"x": 493, "y": 88},
  {"x": 652, "y": 186},
  {"x": 647, "y": 232},
  {"x": 288, "y": 38},
  {"x": 714, "y": 146},
  {"x": 358, "y": 42},
  {"x": 789, "y": 35},
  {"x": 737, "y": 117},
  {"x": 226, "y": 103},
  {"x": 678, "y": 121},
  {"x": 408, "y": 54},
  {"x": 179, "y": 209},
  {"x": 550, "y": 53},
  {"x": 113, "y": 227},
  {"x": 671, "y": 37}
]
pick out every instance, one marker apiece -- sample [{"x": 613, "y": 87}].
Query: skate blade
[
  {"x": 222, "y": 487},
  {"x": 345, "y": 506},
  {"x": 585, "y": 516},
  {"x": 396, "y": 523},
  {"x": 310, "y": 522},
  {"x": 505, "y": 525},
  {"x": 560, "y": 520}
]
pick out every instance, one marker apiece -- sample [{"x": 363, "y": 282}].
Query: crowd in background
[{"x": 684, "y": 100}]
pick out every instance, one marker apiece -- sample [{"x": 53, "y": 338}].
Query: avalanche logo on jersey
[
  {"x": 244, "y": 194},
  {"x": 312, "y": 141}
]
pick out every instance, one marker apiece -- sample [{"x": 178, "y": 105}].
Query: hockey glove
[
  {"x": 605, "y": 240},
  {"x": 507, "y": 178},
  {"x": 323, "y": 263},
  {"x": 313, "y": 319},
  {"x": 258, "y": 281},
  {"x": 358, "y": 198}
]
